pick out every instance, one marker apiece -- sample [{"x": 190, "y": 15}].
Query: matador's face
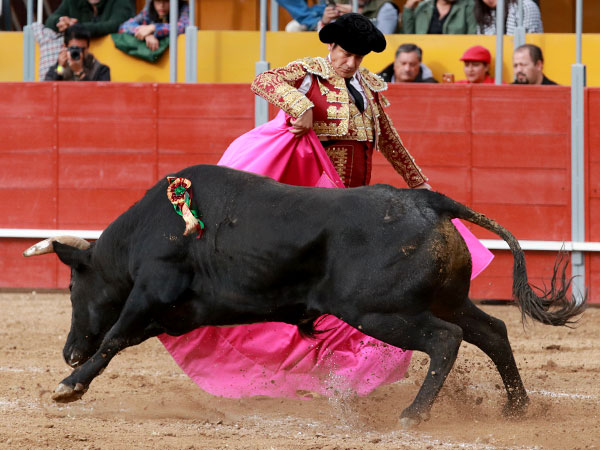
[{"x": 344, "y": 63}]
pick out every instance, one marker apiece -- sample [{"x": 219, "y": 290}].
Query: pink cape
[{"x": 272, "y": 358}]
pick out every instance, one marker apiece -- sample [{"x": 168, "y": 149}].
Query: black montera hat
[{"x": 354, "y": 33}]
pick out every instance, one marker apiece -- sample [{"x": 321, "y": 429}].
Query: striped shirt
[{"x": 532, "y": 19}]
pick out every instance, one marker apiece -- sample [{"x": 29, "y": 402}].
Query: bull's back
[
  {"x": 241, "y": 208},
  {"x": 271, "y": 234}
]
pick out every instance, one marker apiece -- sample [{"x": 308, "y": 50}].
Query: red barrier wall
[
  {"x": 77, "y": 155},
  {"x": 504, "y": 151}
]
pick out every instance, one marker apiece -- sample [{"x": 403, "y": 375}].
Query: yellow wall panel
[{"x": 11, "y": 56}]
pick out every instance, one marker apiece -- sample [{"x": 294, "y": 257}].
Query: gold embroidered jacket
[{"x": 279, "y": 87}]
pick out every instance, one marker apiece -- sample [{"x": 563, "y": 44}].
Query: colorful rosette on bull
[{"x": 179, "y": 193}]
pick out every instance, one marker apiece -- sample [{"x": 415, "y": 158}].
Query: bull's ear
[{"x": 72, "y": 256}]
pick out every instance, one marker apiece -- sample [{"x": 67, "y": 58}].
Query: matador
[{"x": 342, "y": 102}]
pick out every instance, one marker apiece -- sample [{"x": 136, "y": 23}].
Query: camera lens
[{"x": 75, "y": 53}]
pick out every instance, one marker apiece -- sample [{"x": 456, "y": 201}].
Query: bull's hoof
[
  {"x": 67, "y": 394},
  {"x": 515, "y": 409},
  {"x": 410, "y": 422}
]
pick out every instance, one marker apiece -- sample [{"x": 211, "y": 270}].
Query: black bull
[{"x": 386, "y": 261}]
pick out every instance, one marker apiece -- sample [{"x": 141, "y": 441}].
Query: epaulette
[
  {"x": 317, "y": 66},
  {"x": 373, "y": 81}
]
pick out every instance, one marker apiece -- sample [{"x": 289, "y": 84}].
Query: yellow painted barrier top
[{"x": 230, "y": 56}]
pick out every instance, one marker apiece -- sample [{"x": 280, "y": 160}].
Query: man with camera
[{"x": 75, "y": 62}]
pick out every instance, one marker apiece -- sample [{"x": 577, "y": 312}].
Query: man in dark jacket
[
  {"x": 75, "y": 62},
  {"x": 99, "y": 17},
  {"x": 407, "y": 67}
]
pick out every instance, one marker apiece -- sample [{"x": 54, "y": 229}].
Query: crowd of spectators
[
  {"x": 64, "y": 42},
  {"x": 65, "y": 37},
  {"x": 407, "y": 67},
  {"x": 434, "y": 17},
  {"x": 418, "y": 16}
]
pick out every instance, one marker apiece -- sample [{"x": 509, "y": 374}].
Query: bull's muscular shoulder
[
  {"x": 373, "y": 81},
  {"x": 318, "y": 66}
]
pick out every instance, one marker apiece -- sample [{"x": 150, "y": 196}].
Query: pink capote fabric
[{"x": 272, "y": 358}]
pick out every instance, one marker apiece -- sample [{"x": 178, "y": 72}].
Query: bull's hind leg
[
  {"x": 423, "y": 332},
  {"x": 490, "y": 335}
]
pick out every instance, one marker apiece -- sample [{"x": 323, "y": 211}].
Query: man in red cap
[
  {"x": 342, "y": 102},
  {"x": 477, "y": 65}
]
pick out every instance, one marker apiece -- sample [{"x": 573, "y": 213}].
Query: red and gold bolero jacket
[{"x": 341, "y": 120}]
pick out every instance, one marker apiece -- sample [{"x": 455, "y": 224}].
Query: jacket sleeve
[
  {"x": 408, "y": 20},
  {"x": 471, "y": 22},
  {"x": 393, "y": 149},
  {"x": 130, "y": 25},
  {"x": 103, "y": 73},
  {"x": 52, "y": 75},
  {"x": 184, "y": 19},
  {"x": 279, "y": 87},
  {"x": 387, "y": 18},
  {"x": 62, "y": 10},
  {"x": 121, "y": 11}
]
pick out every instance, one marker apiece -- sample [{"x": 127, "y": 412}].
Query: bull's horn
[{"x": 46, "y": 246}]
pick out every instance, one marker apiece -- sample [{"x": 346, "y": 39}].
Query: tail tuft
[{"x": 554, "y": 305}]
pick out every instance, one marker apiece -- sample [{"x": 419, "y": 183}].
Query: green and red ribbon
[{"x": 179, "y": 193}]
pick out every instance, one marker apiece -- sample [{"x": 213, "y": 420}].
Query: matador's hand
[
  {"x": 302, "y": 124},
  {"x": 423, "y": 185}
]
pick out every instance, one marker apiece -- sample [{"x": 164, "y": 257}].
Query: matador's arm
[
  {"x": 279, "y": 87},
  {"x": 391, "y": 146}
]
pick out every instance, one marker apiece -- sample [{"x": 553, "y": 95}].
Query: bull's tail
[{"x": 554, "y": 306}]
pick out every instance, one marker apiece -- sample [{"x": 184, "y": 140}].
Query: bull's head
[{"x": 92, "y": 303}]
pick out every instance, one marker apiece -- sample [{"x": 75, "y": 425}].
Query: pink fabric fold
[
  {"x": 272, "y": 150},
  {"x": 272, "y": 358}
]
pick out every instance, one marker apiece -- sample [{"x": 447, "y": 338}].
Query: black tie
[{"x": 358, "y": 99}]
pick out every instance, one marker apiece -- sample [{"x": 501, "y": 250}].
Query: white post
[
  {"x": 40, "y": 11},
  {"x": 499, "y": 40},
  {"x": 520, "y": 30},
  {"x": 274, "y": 26},
  {"x": 28, "y": 46},
  {"x": 578, "y": 83},
  {"x": 191, "y": 47},
  {"x": 173, "y": 16},
  {"x": 261, "y": 107}
]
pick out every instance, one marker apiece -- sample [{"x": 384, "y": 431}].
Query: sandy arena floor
[{"x": 144, "y": 401}]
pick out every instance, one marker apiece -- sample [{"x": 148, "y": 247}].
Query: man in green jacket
[
  {"x": 438, "y": 17},
  {"x": 99, "y": 17}
]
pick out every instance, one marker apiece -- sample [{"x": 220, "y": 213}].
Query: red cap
[{"x": 477, "y": 53}]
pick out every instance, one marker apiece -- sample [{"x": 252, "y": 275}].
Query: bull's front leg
[{"x": 132, "y": 328}]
